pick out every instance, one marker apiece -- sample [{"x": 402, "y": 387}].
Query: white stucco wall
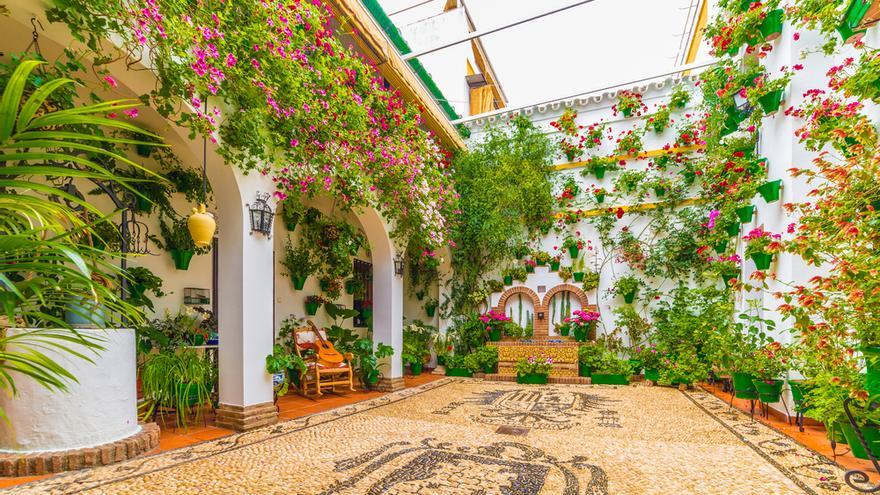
[{"x": 100, "y": 408}]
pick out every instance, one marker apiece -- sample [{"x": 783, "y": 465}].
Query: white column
[{"x": 246, "y": 275}]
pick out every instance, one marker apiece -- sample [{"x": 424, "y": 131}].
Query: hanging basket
[
  {"x": 578, "y": 276},
  {"x": 627, "y": 112},
  {"x": 771, "y": 101},
  {"x": 181, "y": 258},
  {"x": 660, "y": 191},
  {"x": 311, "y": 308},
  {"x": 745, "y": 213},
  {"x": 350, "y": 287},
  {"x": 732, "y": 229},
  {"x": 727, "y": 277},
  {"x": 599, "y": 172},
  {"x": 849, "y": 25},
  {"x": 573, "y": 252},
  {"x": 600, "y": 198},
  {"x": 324, "y": 284},
  {"x": 430, "y": 310},
  {"x": 762, "y": 260},
  {"x": 298, "y": 282},
  {"x": 771, "y": 27},
  {"x": 508, "y": 280},
  {"x": 554, "y": 265},
  {"x": 629, "y": 297},
  {"x": 770, "y": 190}
]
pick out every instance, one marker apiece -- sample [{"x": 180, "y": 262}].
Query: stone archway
[{"x": 581, "y": 296}]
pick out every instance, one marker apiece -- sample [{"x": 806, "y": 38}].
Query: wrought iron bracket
[{"x": 857, "y": 479}]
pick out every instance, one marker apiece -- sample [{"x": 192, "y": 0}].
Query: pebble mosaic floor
[{"x": 470, "y": 437}]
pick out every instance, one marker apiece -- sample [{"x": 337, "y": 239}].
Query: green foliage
[
  {"x": 505, "y": 196},
  {"x": 283, "y": 360},
  {"x": 175, "y": 236},
  {"x": 485, "y": 357},
  {"x": 613, "y": 365},
  {"x": 626, "y": 284},
  {"x": 180, "y": 379},
  {"x": 590, "y": 355},
  {"x": 628, "y": 319},
  {"x": 140, "y": 281},
  {"x": 468, "y": 333},
  {"x": 298, "y": 260},
  {"x": 418, "y": 338},
  {"x": 534, "y": 365}
]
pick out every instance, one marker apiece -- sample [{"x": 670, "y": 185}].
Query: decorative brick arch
[
  {"x": 519, "y": 289},
  {"x": 582, "y": 297}
]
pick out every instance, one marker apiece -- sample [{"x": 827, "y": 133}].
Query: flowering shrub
[
  {"x": 534, "y": 365},
  {"x": 630, "y": 142},
  {"x": 571, "y": 143},
  {"x": 629, "y": 103},
  {"x": 582, "y": 321},
  {"x": 659, "y": 120},
  {"x": 761, "y": 241},
  {"x": 570, "y": 191},
  {"x": 684, "y": 367},
  {"x": 648, "y": 355},
  {"x": 771, "y": 361}
]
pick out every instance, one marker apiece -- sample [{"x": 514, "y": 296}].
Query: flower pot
[
  {"x": 291, "y": 226},
  {"x": 573, "y": 252},
  {"x": 430, "y": 310},
  {"x": 459, "y": 372},
  {"x": 494, "y": 334},
  {"x": 727, "y": 277},
  {"x": 607, "y": 379},
  {"x": 508, "y": 280},
  {"x": 367, "y": 313},
  {"x": 599, "y": 171},
  {"x": 311, "y": 308},
  {"x": 627, "y": 112},
  {"x": 769, "y": 391},
  {"x": 735, "y": 115},
  {"x": 584, "y": 371},
  {"x": 488, "y": 369},
  {"x": 564, "y": 331},
  {"x": 578, "y": 276},
  {"x": 798, "y": 391},
  {"x": 872, "y": 437},
  {"x": 872, "y": 369},
  {"x": 298, "y": 282},
  {"x": 350, "y": 287},
  {"x": 771, "y": 27},
  {"x": 762, "y": 260},
  {"x": 721, "y": 247},
  {"x": 416, "y": 368},
  {"x": 744, "y": 386},
  {"x": 441, "y": 360},
  {"x": 293, "y": 375},
  {"x": 530, "y": 269},
  {"x": 532, "y": 378},
  {"x": 189, "y": 391},
  {"x": 636, "y": 366},
  {"x": 85, "y": 313},
  {"x": 554, "y": 265},
  {"x": 653, "y": 375},
  {"x": 600, "y": 198},
  {"x": 144, "y": 150},
  {"x": 855, "y": 12},
  {"x": 660, "y": 191},
  {"x": 580, "y": 334},
  {"x": 771, "y": 101},
  {"x": 732, "y": 229},
  {"x": 371, "y": 379},
  {"x": 324, "y": 284},
  {"x": 197, "y": 339},
  {"x": 541, "y": 263},
  {"x": 181, "y": 258},
  {"x": 745, "y": 213},
  {"x": 770, "y": 190},
  {"x": 629, "y": 297},
  {"x": 689, "y": 176}
]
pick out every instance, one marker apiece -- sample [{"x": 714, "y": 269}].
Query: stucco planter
[{"x": 100, "y": 408}]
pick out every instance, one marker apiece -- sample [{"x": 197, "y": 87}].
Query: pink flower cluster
[{"x": 760, "y": 233}]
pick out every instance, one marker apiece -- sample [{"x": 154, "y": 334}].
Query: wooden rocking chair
[{"x": 319, "y": 375}]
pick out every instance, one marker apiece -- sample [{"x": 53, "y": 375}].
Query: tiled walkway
[{"x": 291, "y": 406}]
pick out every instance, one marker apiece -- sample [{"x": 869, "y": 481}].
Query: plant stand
[{"x": 856, "y": 478}]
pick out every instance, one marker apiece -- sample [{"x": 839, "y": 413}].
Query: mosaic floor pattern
[{"x": 470, "y": 437}]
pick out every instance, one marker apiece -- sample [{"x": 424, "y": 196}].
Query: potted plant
[
  {"x": 598, "y": 165},
  {"x": 530, "y": 265},
  {"x": 565, "y": 273},
  {"x": 292, "y": 212},
  {"x": 563, "y": 328},
  {"x": 630, "y": 142},
  {"x": 495, "y": 324},
  {"x": 299, "y": 264},
  {"x": 573, "y": 245},
  {"x": 726, "y": 267},
  {"x": 570, "y": 191},
  {"x": 484, "y": 358},
  {"x": 414, "y": 353},
  {"x": 583, "y": 324},
  {"x": 367, "y": 360},
  {"x": 626, "y": 287},
  {"x": 179, "y": 379},
  {"x": 589, "y": 357},
  {"x": 541, "y": 257},
  {"x": 366, "y": 310},
  {"x": 554, "y": 262},
  {"x": 770, "y": 190},
  {"x": 533, "y": 370},
  {"x": 140, "y": 281},
  {"x": 431, "y": 306},
  {"x": 456, "y": 366},
  {"x": 761, "y": 246},
  {"x": 286, "y": 365},
  {"x": 745, "y": 213},
  {"x": 577, "y": 269},
  {"x": 312, "y": 304},
  {"x": 442, "y": 348},
  {"x": 680, "y": 96},
  {"x": 591, "y": 281},
  {"x": 355, "y": 285},
  {"x": 682, "y": 368},
  {"x": 629, "y": 103},
  {"x": 740, "y": 344},
  {"x": 611, "y": 370},
  {"x": 511, "y": 273},
  {"x": 177, "y": 241},
  {"x": 769, "y": 363},
  {"x": 599, "y": 194}
]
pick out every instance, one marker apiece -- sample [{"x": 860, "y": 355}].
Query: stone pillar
[{"x": 246, "y": 306}]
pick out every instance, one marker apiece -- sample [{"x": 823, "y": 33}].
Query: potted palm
[{"x": 533, "y": 370}]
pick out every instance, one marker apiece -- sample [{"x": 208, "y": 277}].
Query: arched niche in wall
[
  {"x": 562, "y": 300},
  {"x": 520, "y": 303}
]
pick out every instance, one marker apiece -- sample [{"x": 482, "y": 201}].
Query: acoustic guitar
[{"x": 327, "y": 354}]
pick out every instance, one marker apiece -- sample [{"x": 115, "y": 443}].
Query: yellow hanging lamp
[{"x": 200, "y": 223}]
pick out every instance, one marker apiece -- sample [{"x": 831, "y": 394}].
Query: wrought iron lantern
[
  {"x": 261, "y": 215},
  {"x": 399, "y": 265}
]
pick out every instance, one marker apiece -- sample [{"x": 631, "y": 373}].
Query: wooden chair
[{"x": 317, "y": 375}]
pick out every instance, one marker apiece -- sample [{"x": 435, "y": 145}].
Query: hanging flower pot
[
  {"x": 771, "y": 101},
  {"x": 729, "y": 277},
  {"x": 736, "y": 115},
  {"x": 508, "y": 280},
  {"x": 660, "y": 191},
  {"x": 298, "y": 282},
  {"x": 181, "y": 258},
  {"x": 201, "y": 226},
  {"x": 849, "y": 25},
  {"x": 144, "y": 150},
  {"x": 627, "y": 112},
  {"x": 745, "y": 213},
  {"x": 600, "y": 198},
  {"x": 311, "y": 308},
  {"x": 629, "y": 297},
  {"x": 573, "y": 251},
  {"x": 771, "y": 27},
  {"x": 770, "y": 190},
  {"x": 578, "y": 276},
  {"x": 367, "y": 313},
  {"x": 599, "y": 171},
  {"x": 325, "y": 284},
  {"x": 554, "y": 265},
  {"x": 732, "y": 229},
  {"x": 530, "y": 269},
  {"x": 762, "y": 260},
  {"x": 350, "y": 286},
  {"x": 720, "y": 247},
  {"x": 689, "y": 176},
  {"x": 430, "y": 310},
  {"x": 291, "y": 226}
]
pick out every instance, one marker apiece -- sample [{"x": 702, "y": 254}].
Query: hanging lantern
[
  {"x": 261, "y": 215},
  {"x": 201, "y": 225},
  {"x": 398, "y": 265}
]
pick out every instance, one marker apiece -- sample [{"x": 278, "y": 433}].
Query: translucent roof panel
[{"x": 600, "y": 43}]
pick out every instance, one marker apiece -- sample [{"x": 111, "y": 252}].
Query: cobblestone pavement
[{"x": 462, "y": 436}]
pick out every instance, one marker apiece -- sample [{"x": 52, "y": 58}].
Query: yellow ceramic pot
[{"x": 201, "y": 226}]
